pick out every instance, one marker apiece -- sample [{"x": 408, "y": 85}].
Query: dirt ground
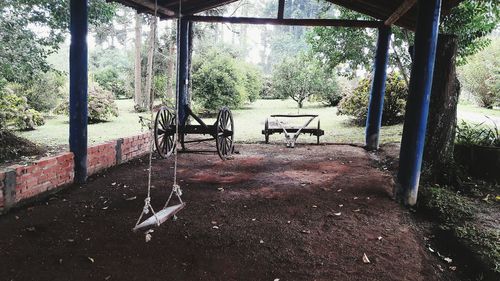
[{"x": 308, "y": 213}]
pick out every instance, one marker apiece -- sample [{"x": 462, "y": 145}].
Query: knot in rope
[
  {"x": 147, "y": 204},
  {"x": 177, "y": 189}
]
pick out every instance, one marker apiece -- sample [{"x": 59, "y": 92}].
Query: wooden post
[
  {"x": 78, "y": 87},
  {"x": 183, "y": 70},
  {"x": 376, "y": 104},
  {"x": 417, "y": 107},
  {"x": 281, "y": 9}
]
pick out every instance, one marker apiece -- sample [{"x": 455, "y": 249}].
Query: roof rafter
[
  {"x": 297, "y": 22},
  {"x": 400, "y": 11}
]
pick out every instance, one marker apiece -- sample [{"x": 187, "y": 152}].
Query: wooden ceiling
[{"x": 378, "y": 9}]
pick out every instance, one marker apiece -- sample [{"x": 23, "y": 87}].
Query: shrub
[
  {"x": 101, "y": 105},
  {"x": 219, "y": 79},
  {"x": 481, "y": 75},
  {"x": 15, "y": 111},
  {"x": 355, "y": 104}
]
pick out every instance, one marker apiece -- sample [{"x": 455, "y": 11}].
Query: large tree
[
  {"x": 30, "y": 30},
  {"x": 301, "y": 77}
]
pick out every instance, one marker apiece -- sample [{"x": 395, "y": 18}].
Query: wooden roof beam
[
  {"x": 142, "y": 6},
  {"x": 296, "y": 22},
  {"x": 399, "y": 12}
]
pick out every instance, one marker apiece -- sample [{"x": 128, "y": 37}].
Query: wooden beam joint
[
  {"x": 281, "y": 9},
  {"x": 399, "y": 12}
]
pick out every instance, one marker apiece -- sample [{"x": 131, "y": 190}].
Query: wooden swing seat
[{"x": 160, "y": 217}]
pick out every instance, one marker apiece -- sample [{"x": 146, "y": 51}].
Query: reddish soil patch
[{"x": 307, "y": 213}]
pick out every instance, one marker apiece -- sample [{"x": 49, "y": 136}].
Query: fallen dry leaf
[{"x": 365, "y": 258}]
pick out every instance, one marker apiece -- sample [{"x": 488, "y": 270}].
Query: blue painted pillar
[
  {"x": 376, "y": 104},
  {"x": 183, "y": 70},
  {"x": 78, "y": 87},
  {"x": 417, "y": 107}
]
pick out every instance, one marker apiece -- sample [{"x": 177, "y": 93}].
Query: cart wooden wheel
[
  {"x": 225, "y": 133},
  {"x": 266, "y": 131},
  {"x": 164, "y": 132},
  {"x": 317, "y": 136}
]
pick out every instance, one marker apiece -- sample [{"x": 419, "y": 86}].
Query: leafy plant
[
  {"x": 15, "y": 111},
  {"x": 101, "y": 105},
  {"x": 478, "y": 134},
  {"x": 447, "y": 205},
  {"x": 220, "y": 79},
  {"x": 356, "y": 103}
]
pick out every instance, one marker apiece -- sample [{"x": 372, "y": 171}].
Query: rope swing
[{"x": 157, "y": 218}]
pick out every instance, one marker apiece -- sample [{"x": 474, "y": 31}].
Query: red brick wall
[
  {"x": 101, "y": 156},
  {"x": 43, "y": 175},
  {"x": 49, "y": 173},
  {"x": 135, "y": 146}
]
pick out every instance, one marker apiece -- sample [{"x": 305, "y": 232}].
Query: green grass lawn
[
  {"x": 249, "y": 123},
  {"x": 55, "y": 132}
]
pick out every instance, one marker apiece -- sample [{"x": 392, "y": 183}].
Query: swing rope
[{"x": 175, "y": 187}]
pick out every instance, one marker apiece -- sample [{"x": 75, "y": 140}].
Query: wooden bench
[{"x": 291, "y": 132}]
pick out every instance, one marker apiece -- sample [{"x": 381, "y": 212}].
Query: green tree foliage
[
  {"x": 356, "y": 103},
  {"x": 114, "y": 81},
  {"x": 220, "y": 79},
  {"x": 24, "y": 49},
  {"x": 43, "y": 93},
  {"x": 353, "y": 47},
  {"x": 481, "y": 75},
  {"x": 113, "y": 70},
  {"x": 349, "y": 49},
  {"x": 300, "y": 77},
  {"x": 471, "y": 21}
]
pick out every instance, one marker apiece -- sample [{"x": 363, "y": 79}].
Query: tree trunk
[
  {"x": 442, "y": 120},
  {"x": 148, "y": 93},
  {"x": 137, "y": 65}
]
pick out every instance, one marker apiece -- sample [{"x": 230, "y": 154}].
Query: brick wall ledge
[{"x": 20, "y": 184}]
